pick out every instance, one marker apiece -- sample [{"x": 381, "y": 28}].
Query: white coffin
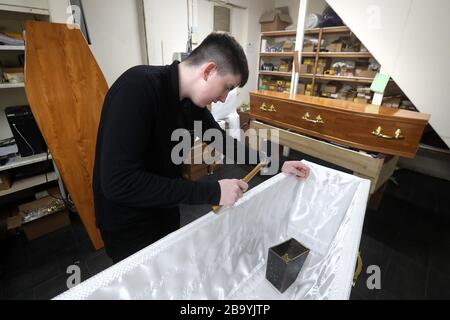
[{"x": 225, "y": 256}]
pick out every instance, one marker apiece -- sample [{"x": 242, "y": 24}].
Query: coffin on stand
[{"x": 224, "y": 256}]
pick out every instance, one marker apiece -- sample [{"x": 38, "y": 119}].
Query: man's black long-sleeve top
[{"x": 135, "y": 180}]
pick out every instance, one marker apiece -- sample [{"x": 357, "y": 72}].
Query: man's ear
[{"x": 208, "y": 69}]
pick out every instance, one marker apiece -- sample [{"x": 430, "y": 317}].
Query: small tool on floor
[{"x": 248, "y": 177}]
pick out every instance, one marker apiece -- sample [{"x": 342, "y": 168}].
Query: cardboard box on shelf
[
  {"x": 347, "y": 72},
  {"x": 322, "y": 62},
  {"x": 288, "y": 46},
  {"x": 5, "y": 181},
  {"x": 363, "y": 89},
  {"x": 392, "y": 102},
  {"x": 309, "y": 91},
  {"x": 275, "y": 20},
  {"x": 13, "y": 75},
  {"x": 320, "y": 70},
  {"x": 334, "y": 95},
  {"x": 360, "y": 100},
  {"x": 301, "y": 88},
  {"x": 307, "y": 47},
  {"x": 305, "y": 68},
  {"x": 284, "y": 67},
  {"x": 334, "y": 47},
  {"x": 365, "y": 73},
  {"x": 330, "y": 88}
]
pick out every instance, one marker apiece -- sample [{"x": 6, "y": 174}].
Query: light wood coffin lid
[{"x": 66, "y": 88}]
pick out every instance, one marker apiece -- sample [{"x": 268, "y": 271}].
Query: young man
[{"x": 137, "y": 186}]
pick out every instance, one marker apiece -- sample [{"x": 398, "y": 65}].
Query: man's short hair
[{"x": 225, "y": 52}]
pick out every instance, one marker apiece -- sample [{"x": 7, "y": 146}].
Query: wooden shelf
[
  {"x": 11, "y": 85},
  {"x": 342, "y": 29},
  {"x": 30, "y": 182},
  {"x": 12, "y": 48},
  {"x": 275, "y": 73},
  {"x": 306, "y": 75},
  {"x": 20, "y": 162},
  {"x": 345, "y": 79},
  {"x": 277, "y": 54},
  {"x": 308, "y": 54},
  {"x": 345, "y": 55},
  {"x": 285, "y": 33}
]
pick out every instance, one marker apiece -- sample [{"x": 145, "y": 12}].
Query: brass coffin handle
[
  {"x": 397, "y": 134},
  {"x": 272, "y": 108},
  {"x": 317, "y": 120}
]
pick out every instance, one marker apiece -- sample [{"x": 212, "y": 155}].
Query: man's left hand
[{"x": 297, "y": 168}]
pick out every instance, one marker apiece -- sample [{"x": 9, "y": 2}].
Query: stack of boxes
[
  {"x": 274, "y": 84},
  {"x": 309, "y": 91},
  {"x": 392, "y": 102},
  {"x": 307, "y": 66},
  {"x": 363, "y": 95},
  {"x": 329, "y": 90},
  {"x": 321, "y": 66},
  {"x": 365, "y": 73}
]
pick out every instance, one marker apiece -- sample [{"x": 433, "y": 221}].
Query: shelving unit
[
  {"x": 275, "y": 62},
  {"x": 322, "y": 62},
  {"x": 355, "y": 80},
  {"x": 13, "y": 15},
  {"x": 26, "y": 183},
  {"x": 316, "y": 82}
]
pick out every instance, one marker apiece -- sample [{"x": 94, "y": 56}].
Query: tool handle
[
  {"x": 246, "y": 179},
  {"x": 252, "y": 173}
]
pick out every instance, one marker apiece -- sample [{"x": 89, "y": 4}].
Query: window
[{"x": 222, "y": 19}]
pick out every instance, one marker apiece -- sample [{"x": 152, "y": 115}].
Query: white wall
[
  {"x": 167, "y": 32},
  {"x": 58, "y": 10},
  {"x": 173, "y": 33},
  {"x": 410, "y": 40},
  {"x": 316, "y": 6},
  {"x": 116, "y": 35},
  {"x": 255, "y": 9}
]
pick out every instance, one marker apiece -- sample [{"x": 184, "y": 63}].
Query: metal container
[{"x": 284, "y": 263}]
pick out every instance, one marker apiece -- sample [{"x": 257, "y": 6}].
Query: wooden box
[
  {"x": 366, "y": 127},
  {"x": 197, "y": 168}
]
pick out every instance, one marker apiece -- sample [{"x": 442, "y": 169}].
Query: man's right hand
[{"x": 231, "y": 190}]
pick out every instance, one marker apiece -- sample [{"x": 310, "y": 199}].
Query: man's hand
[
  {"x": 231, "y": 190},
  {"x": 297, "y": 168}
]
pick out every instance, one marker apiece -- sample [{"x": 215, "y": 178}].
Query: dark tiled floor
[{"x": 408, "y": 238}]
